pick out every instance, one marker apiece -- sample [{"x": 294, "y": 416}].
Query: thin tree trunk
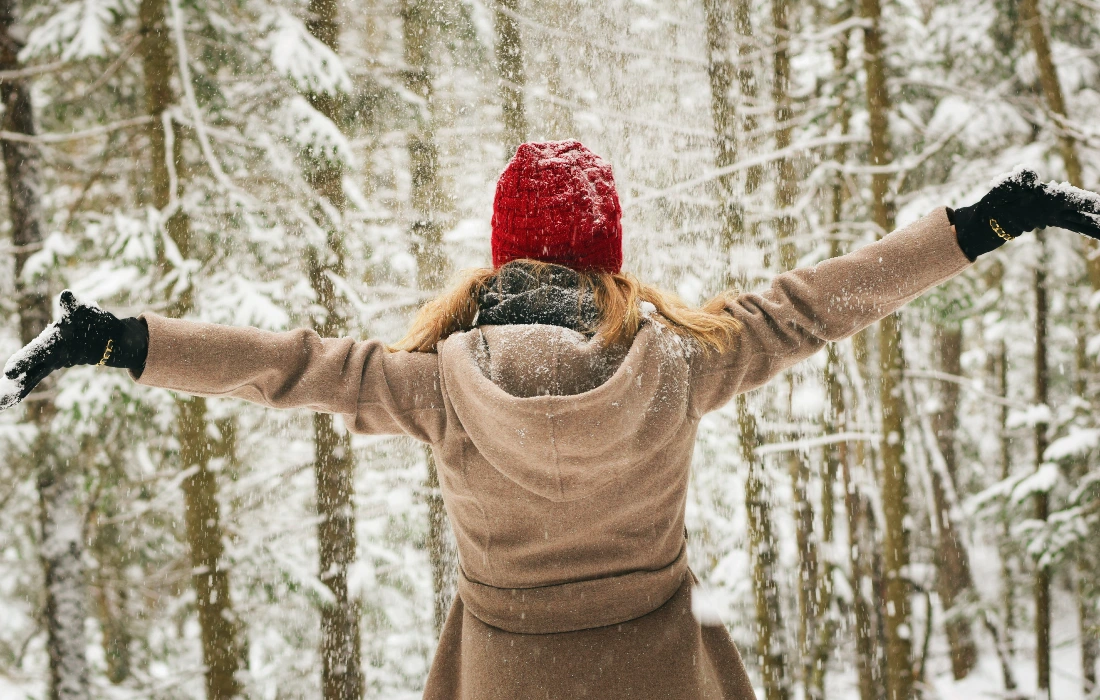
[
  {"x": 1088, "y": 620},
  {"x": 837, "y": 455},
  {"x": 946, "y": 421},
  {"x": 509, "y": 55},
  {"x": 954, "y": 580},
  {"x": 861, "y": 547},
  {"x": 997, "y": 368},
  {"x": 746, "y": 78},
  {"x": 111, "y": 603},
  {"x": 1041, "y": 499},
  {"x": 110, "y": 589},
  {"x": 809, "y": 584},
  {"x": 441, "y": 549},
  {"x": 1085, "y": 557},
  {"x": 763, "y": 549},
  {"x": 561, "y": 123},
  {"x": 334, "y": 463},
  {"x": 62, "y": 547},
  {"x": 204, "y": 536},
  {"x": 218, "y": 625},
  {"x": 428, "y": 202},
  {"x": 762, "y": 544},
  {"x": 786, "y": 187},
  {"x": 341, "y": 674},
  {"x": 1031, "y": 16},
  {"x": 786, "y": 191},
  {"x": 1008, "y": 576},
  {"x": 720, "y": 72},
  {"x": 1032, "y": 19},
  {"x": 895, "y": 482},
  {"x": 221, "y": 653},
  {"x": 429, "y": 208}
]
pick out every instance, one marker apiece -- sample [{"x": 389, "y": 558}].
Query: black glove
[
  {"x": 1020, "y": 203},
  {"x": 85, "y": 335}
]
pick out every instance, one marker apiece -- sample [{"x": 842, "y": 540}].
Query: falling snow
[{"x": 388, "y": 136}]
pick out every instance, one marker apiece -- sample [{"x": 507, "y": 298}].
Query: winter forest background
[{"x": 912, "y": 513}]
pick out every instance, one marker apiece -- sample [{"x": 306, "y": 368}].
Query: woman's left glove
[
  {"x": 1019, "y": 203},
  {"x": 85, "y": 335}
]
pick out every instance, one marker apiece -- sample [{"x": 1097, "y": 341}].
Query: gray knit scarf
[{"x": 518, "y": 295}]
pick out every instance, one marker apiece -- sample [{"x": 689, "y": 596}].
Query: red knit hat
[{"x": 556, "y": 202}]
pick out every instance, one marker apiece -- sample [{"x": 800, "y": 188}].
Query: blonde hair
[{"x": 618, "y": 299}]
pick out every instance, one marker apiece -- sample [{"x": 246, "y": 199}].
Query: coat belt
[{"x": 577, "y": 605}]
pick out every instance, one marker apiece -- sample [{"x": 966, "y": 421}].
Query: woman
[{"x": 561, "y": 399}]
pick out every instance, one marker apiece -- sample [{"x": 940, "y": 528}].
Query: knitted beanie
[{"x": 556, "y": 203}]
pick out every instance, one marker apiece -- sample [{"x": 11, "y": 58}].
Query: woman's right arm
[
  {"x": 378, "y": 391},
  {"x": 805, "y": 308}
]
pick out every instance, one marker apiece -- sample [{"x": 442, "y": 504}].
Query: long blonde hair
[{"x": 618, "y": 299}]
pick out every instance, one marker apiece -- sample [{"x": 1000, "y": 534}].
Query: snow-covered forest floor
[{"x": 283, "y": 163}]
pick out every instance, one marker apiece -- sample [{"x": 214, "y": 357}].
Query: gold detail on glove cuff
[
  {"x": 107, "y": 352},
  {"x": 998, "y": 230}
]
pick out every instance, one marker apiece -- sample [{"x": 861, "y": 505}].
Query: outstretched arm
[
  {"x": 375, "y": 390},
  {"x": 803, "y": 309},
  {"x": 378, "y": 391}
]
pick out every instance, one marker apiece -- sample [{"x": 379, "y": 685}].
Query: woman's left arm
[{"x": 377, "y": 391}]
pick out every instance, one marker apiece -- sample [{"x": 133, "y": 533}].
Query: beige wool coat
[{"x": 564, "y": 465}]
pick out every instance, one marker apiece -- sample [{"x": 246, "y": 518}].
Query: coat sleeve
[
  {"x": 805, "y": 308},
  {"x": 377, "y": 391}
]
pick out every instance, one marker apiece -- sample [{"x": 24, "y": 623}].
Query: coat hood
[{"x": 562, "y": 415}]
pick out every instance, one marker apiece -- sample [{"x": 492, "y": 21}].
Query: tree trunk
[
  {"x": 786, "y": 187},
  {"x": 441, "y": 549},
  {"x": 428, "y": 202},
  {"x": 341, "y": 674},
  {"x": 809, "y": 584},
  {"x": 204, "y": 537},
  {"x": 762, "y": 545},
  {"x": 895, "y": 483},
  {"x": 837, "y": 454},
  {"x": 429, "y": 208},
  {"x": 954, "y": 580},
  {"x": 1008, "y": 577},
  {"x": 561, "y": 123},
  {"x": 220, "y": 650},
  {"x": 720, "y": 72},
  {"x": 1032, "y": 18},
  {"x": 111, "y": 601},
  {"x": 60, "y": 518},
  {"x": 746, "y": 78},
  {"x": 861, "y": 529},
  {"x": 1086, "y": 559},
  {"x": 763, "y": 551},
  {"x": 861, "y": 543},
  {"x": 1088, "y": 627},
  {"x": 1041, "y": 499},
  {"x": 509, "y": 54},
  {"x": 786, "y": 191},
  {"x": 334, "y": 463}
]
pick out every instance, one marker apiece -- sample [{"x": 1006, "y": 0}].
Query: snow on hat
[{"x": 556, "y": 202}]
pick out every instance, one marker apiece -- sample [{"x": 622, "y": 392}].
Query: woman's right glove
[
  {"x": 1019, "y": 203},
  {"x": 85, "y": 335}
]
